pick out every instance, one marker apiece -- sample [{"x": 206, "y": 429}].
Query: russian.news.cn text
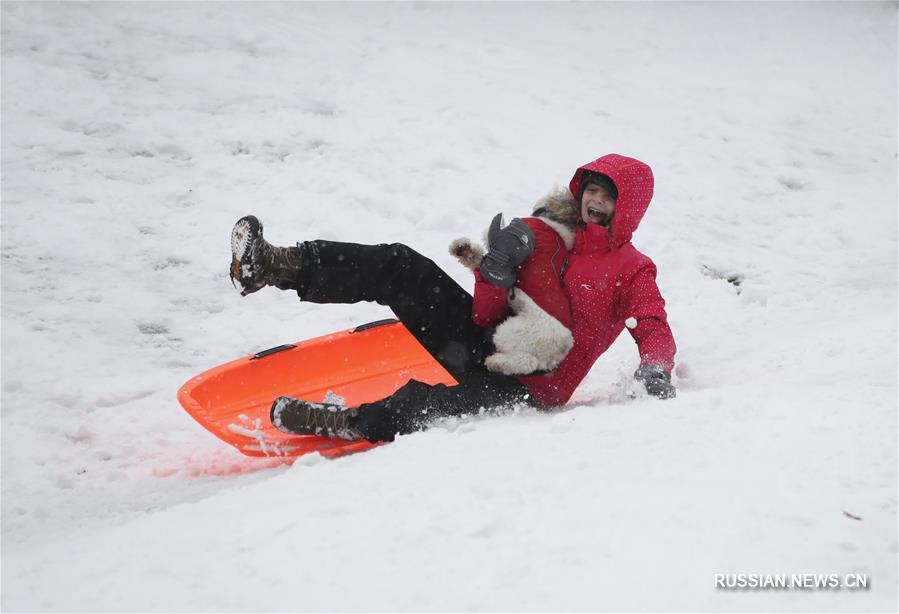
[{"x": 789, "y": 582}]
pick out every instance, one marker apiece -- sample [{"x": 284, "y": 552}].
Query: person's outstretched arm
[{"x": 647, "y": 322}]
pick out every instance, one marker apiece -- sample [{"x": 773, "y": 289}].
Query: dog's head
[{"x": 559, "y": 206}]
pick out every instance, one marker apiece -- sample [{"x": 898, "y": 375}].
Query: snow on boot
[
  {"x": 255, "y": 263},
  {"x": 324, "y": 420}
]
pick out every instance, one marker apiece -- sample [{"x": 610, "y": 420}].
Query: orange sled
[{"x": 359, "y": 365}]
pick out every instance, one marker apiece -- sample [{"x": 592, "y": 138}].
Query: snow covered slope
[{"x": 134, "y": 135}]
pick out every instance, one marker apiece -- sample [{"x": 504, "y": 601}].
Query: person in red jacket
[{"x": 610, "y": 286}]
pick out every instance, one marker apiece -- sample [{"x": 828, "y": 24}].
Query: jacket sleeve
[
  {"x": 490, "y": 305},
  {"x": 645, "y": 318}
]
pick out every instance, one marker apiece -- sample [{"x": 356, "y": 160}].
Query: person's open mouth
[{"x": 597, "y": 217}]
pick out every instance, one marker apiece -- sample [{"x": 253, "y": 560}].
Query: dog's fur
[
  {"x": 561, "y": 212},
  {"x": 530, "y": 340}
]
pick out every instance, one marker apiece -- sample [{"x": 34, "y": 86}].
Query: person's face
[{"x": 597, "y": 207}]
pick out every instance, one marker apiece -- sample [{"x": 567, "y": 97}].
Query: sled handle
[
  {"x": 363, "y": 327},
  {"x": 270, "y": 351}
]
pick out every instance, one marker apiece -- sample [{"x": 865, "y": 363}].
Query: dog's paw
[{"x": 468, "y": 253}]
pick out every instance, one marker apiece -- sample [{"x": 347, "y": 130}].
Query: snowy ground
[{"x": 134, "y": 135}]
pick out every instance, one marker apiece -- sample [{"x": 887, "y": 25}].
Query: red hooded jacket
[{"x": 607, "y": 282}]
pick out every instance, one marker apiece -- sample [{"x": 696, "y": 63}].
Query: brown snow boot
[
  {"x": 322, "y": 419},
  {"x": 255, "y": 263}
]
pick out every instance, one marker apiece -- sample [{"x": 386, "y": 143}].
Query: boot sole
[{"x": 246, "y": 231}]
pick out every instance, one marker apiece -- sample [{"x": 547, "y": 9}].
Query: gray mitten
[
  {"x": 509, "y": 246},
  {"x": 657, "y": 381}
]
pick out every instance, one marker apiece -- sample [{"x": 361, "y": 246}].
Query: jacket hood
[{"x": 635, "y": 184}]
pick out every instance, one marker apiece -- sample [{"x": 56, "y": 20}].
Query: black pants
[{"x": 435, "y": 309}]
